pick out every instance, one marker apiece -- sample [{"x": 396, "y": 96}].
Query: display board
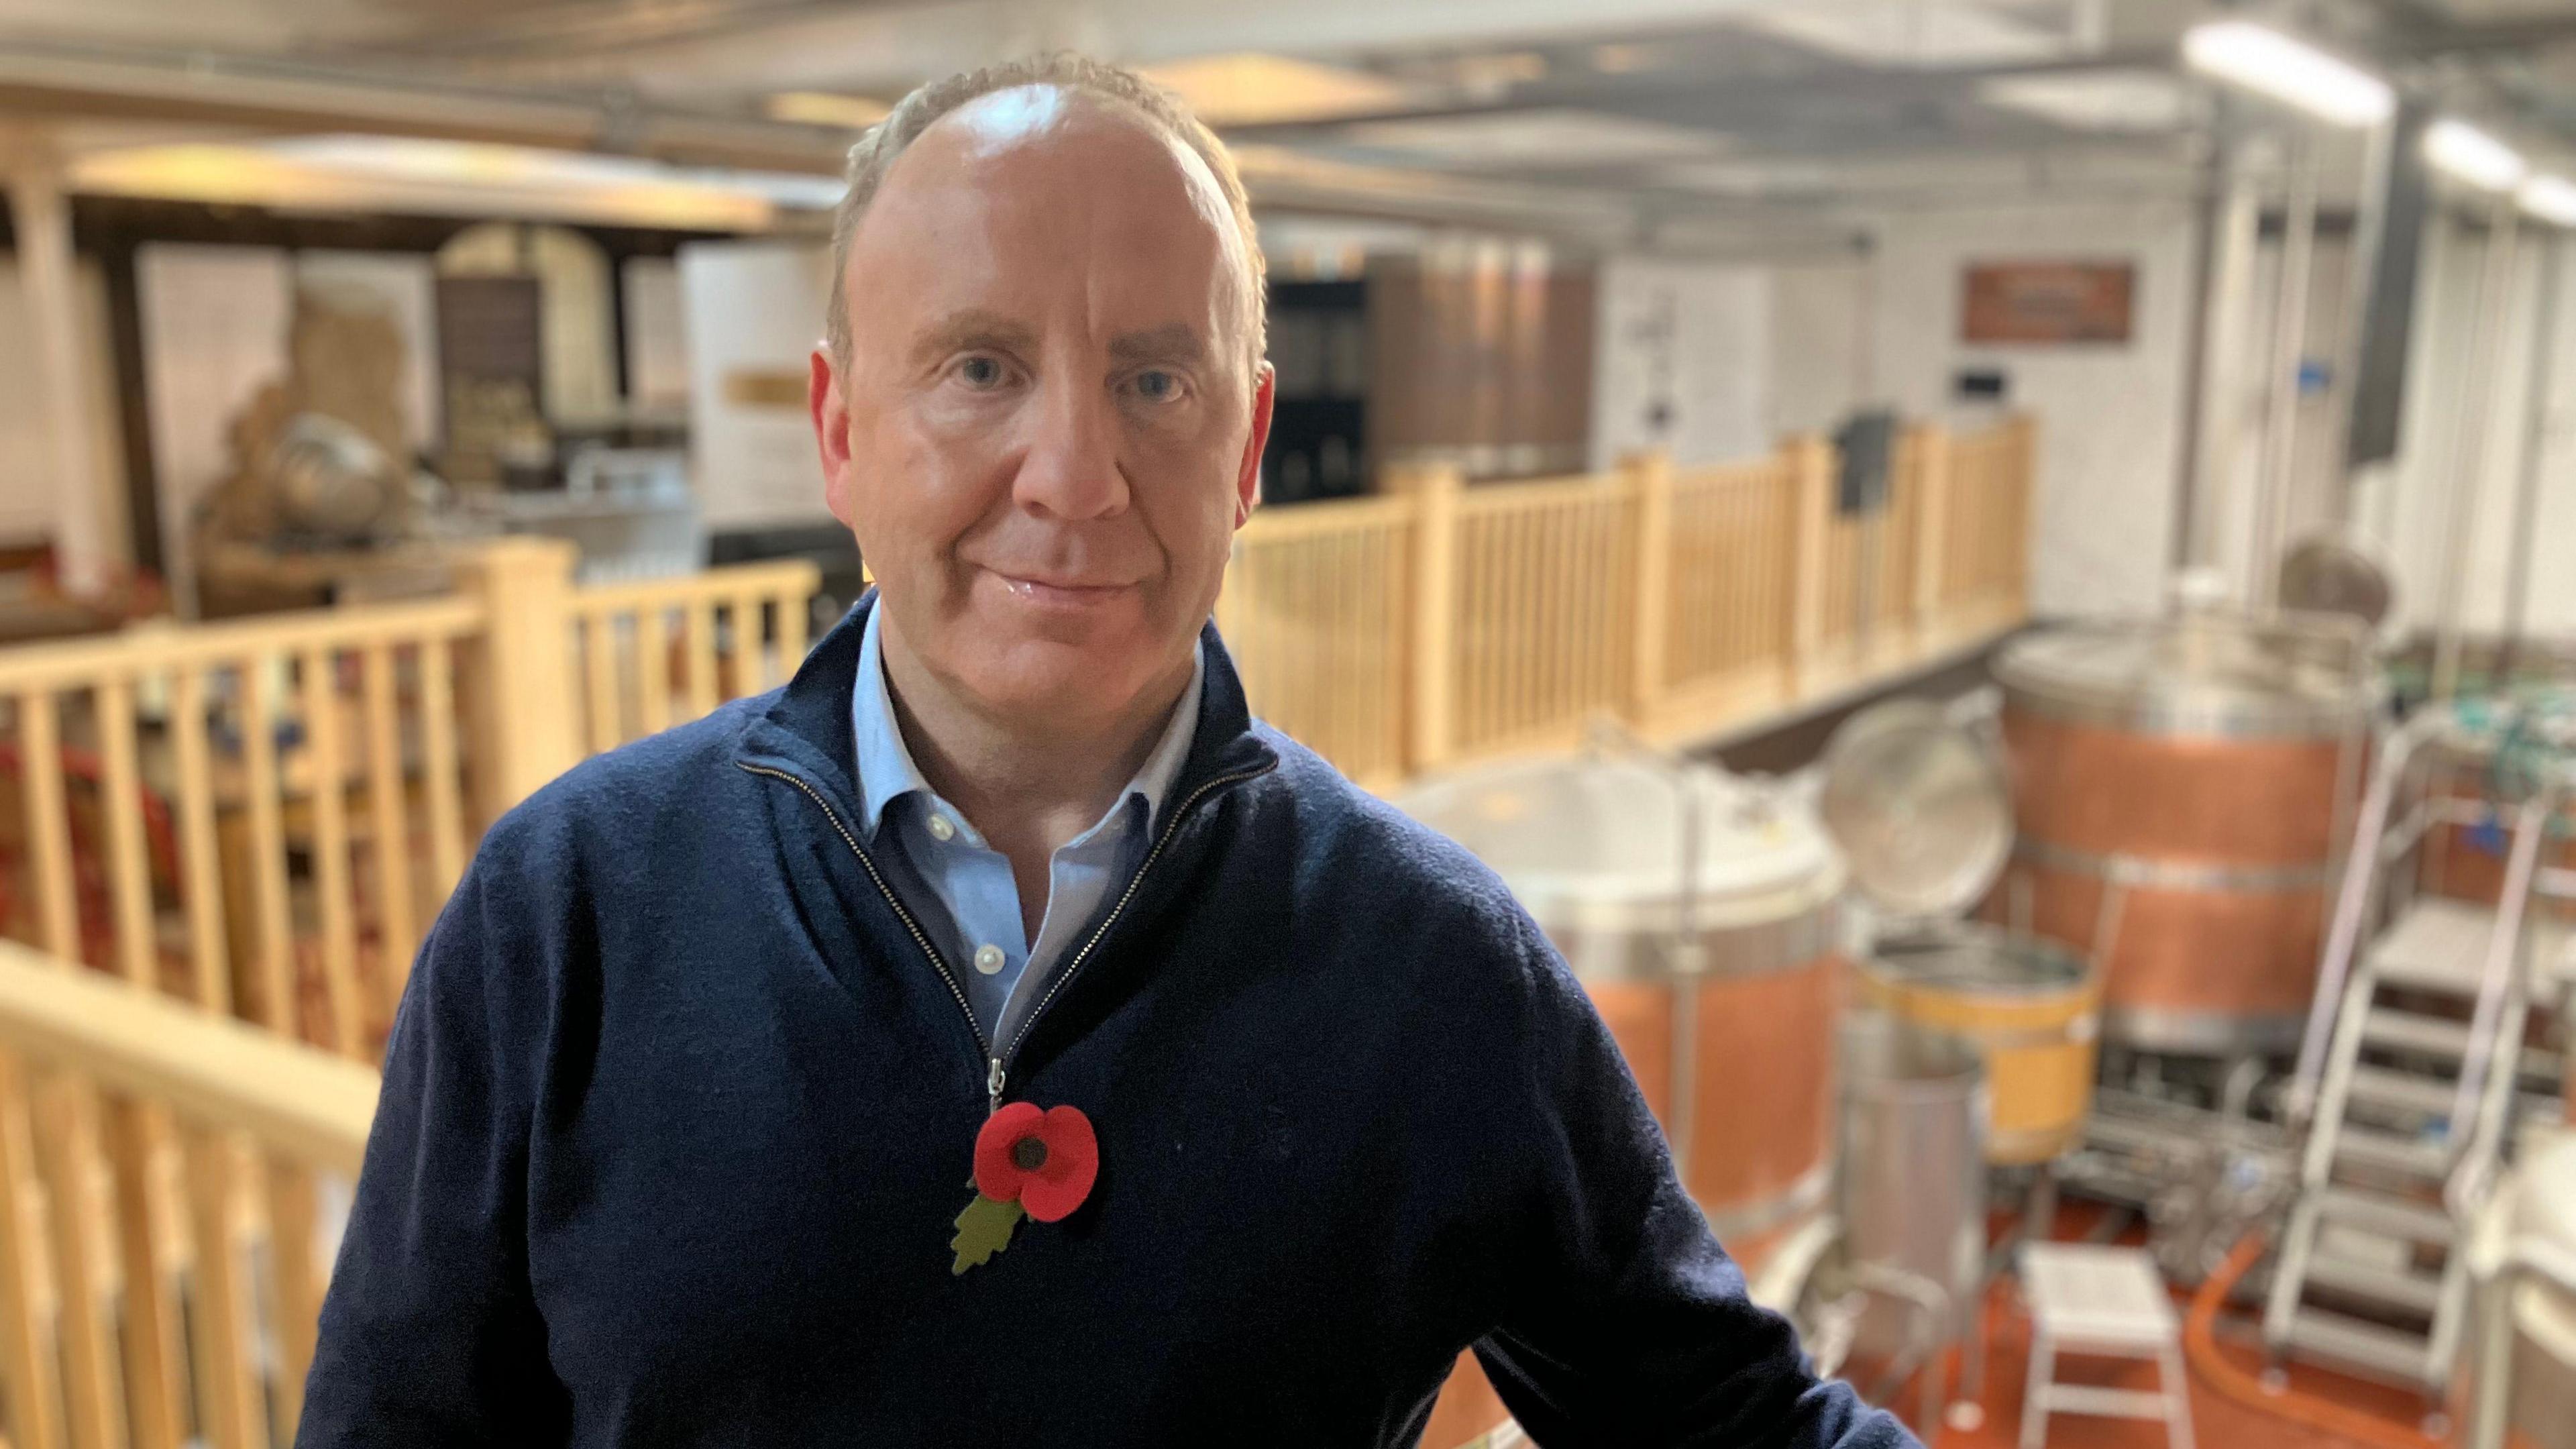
[{"x": 2043, "y": 303}]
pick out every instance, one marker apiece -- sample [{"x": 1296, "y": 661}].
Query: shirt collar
[{"x": 887, "y": 772}]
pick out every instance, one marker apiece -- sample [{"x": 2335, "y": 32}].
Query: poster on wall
[{"x": 2057, "y": 303}]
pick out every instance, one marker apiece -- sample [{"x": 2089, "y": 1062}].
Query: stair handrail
[
  {"x": 2501, "y": 975},
  {"x": 2362, "y": 865}
]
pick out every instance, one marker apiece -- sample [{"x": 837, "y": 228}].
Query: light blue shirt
[{"x": 961, "y": 889}]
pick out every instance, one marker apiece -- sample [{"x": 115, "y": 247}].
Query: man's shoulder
[{"x": 624, "y": 797}]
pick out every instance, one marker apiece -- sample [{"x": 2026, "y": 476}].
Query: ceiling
[{"x": 1622, "y": 121}]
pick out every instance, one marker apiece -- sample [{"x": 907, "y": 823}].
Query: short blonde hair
[{"x": 874, "y": 155}]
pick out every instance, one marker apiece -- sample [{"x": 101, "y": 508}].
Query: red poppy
[{"x": 1043, "y": 1160}]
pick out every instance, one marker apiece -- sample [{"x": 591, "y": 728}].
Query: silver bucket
[{"x": 1912, "y": 1186}]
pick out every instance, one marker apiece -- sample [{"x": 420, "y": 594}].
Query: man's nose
[{"x": 1071, "y": 467}]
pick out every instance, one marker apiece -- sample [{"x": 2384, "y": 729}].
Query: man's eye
[
  {"x": 1156, "y": 385},
  {"x": 981, "y": 371}
]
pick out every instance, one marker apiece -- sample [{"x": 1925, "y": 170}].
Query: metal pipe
[
  {"x": 2189, "y": 465},
  {"x": 2369, "y": 235},
  {"x": 2289, "y": 348},
  {"x": 2535, "y": 450},
  {"x": 2477, "y": 381},
  {"x": 2230, "y": 299}
]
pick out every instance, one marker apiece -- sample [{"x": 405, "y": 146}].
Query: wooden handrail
[
  {"x": 799, "y": 577},
  {"x": 294, "y": 1099},
  {"x": 143, "y": 649}
]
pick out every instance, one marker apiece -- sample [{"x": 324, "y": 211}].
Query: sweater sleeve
[
  {"x": 430, "y": 1334},
  {"x": 1635, "y": 1330}
]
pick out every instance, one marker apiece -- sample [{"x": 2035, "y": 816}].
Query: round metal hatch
[
  {"x": 2334, "y": 573},
  {"x": 1919, "y": 806}
]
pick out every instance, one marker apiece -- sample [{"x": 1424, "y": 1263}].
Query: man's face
[{"x": 1049, "y": 424}]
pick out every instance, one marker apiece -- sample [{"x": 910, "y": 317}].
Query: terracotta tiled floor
[{"x": 2218, "y": 1421}]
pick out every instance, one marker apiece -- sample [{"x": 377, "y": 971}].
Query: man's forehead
[{"x": 984, "y": 142}]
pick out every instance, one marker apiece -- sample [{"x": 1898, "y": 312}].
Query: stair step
[
  {"x": 2363, "y": 1147},
  {"x": 2417, "y": 1292},
  {"x": 2429, "y": 1095},
  {"x": 2374, "y": 1348},
  {"x": 2389, "y": 1216},
  {"x": 2415, "y": 1032},
  {"x": 2440, "y": 944}
]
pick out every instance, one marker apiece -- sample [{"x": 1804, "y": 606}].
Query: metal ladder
[{"x": 2416, "y": 1102}]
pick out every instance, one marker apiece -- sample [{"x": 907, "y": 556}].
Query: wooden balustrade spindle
[
  {"x": 331, "y": 875},
  {"x": 397, "y": 910},
  {"x": 209, "y": 957}
]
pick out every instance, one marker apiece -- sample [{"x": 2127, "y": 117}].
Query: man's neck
[{"x": 1027, "y": 790}]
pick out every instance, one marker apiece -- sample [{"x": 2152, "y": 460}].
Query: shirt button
[
  {"x": 988, "y": 959},
  {"x": 941, "y": 830}
]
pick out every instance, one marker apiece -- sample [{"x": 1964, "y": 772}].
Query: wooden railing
[
  {"x": 1447, "y": 622},
  {"x": 261, "y": 817},
  {"x": 164, "y": 1230}
]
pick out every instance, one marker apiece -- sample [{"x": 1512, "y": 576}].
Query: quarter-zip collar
[{"x": 805, "y": 727}]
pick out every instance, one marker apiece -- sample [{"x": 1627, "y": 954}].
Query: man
[{"x": 995, "y": 1037}]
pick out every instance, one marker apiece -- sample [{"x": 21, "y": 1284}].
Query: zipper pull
[{"x": 993, "y": 1088}]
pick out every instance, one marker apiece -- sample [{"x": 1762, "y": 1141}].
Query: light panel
[
  {"x": 2465, "y": 153},
  {"x": 2550, "y": 198},
  {"x": 2289, "y": 70}
]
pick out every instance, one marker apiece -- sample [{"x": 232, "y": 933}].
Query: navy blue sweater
[{"x": 679, "y": 1111}]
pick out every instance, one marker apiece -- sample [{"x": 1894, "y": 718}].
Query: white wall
[
  {"x": 27, "y": 481},
  {"x": 2110, "y": 415},
  {"x": 1884, "y": 330},
  {"x": 1679, "y": 362},
  {"x": 2407, "y": 506}
]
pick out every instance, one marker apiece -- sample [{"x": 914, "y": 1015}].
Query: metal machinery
[
  {"x": 1919, "y": 804},
  {"x": 2409, "y": 1081},
  {"x": 1700, "y": 913},
  {"x": 2523, "y": 1372},
  {"x": 2207, "y": 756}
]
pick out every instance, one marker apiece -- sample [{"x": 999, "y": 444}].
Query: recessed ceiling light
[
  {"x": 822, "y": 108},
  {"x": 2468, "y": 154}
]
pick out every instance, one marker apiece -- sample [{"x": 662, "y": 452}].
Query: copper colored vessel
[
  {"x": 2207, "y": 761},
  {"x": 1700, "y": 918}
]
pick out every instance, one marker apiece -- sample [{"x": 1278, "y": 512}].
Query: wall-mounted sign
[{"x": 2048, "y": 303}]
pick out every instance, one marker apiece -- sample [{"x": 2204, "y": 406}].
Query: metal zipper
[
  {"x": 996, "y": 1074},
  {"x": 993, "y": 1078},
  {"x": 1170, "y": 829}
]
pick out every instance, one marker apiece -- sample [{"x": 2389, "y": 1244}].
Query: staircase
[{"x": 2419, "y": 1039}]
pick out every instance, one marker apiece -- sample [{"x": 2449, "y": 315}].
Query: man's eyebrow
[
  {"x": 971, "y": 328},
  {"x": 1171, "y": 342}
]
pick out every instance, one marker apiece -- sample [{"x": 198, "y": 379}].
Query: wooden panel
[
  {"x": 121, "y": 800},
  {"x": 92, "y": 1409},
  {"x": 275, "y": 943},
  {"x": 209, "y": 961},
  {"x": 49, "y": 834},
  {"x": 699, "y": 619},
  {"x": 228, "y": 1391},
  {"x": 329, "y": 799},
  {"x": 653, "y": 666},
  {"x": 295, "y": 1286},
  {"x": 34, "y": 1402},
  {"x": 444, "y": 785},
  {"x": 389, "y": 830},
  {"x": 154, "y": 1396}
]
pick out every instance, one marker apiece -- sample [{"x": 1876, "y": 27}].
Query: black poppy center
[{"x": 1028, "y": 1154}]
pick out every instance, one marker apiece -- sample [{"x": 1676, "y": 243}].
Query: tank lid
[
  {"x": 2198, "y": 672},
  {"x": 1598, "y": 839},
  {"x": 1919, "y": 806}
]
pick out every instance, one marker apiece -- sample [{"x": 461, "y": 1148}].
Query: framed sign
[{"x": 2048, "y": 303}]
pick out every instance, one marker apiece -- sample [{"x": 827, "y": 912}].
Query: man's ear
[
  {"x": 1247, "y": 478},
  {"x": 830, "y": 408}
]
